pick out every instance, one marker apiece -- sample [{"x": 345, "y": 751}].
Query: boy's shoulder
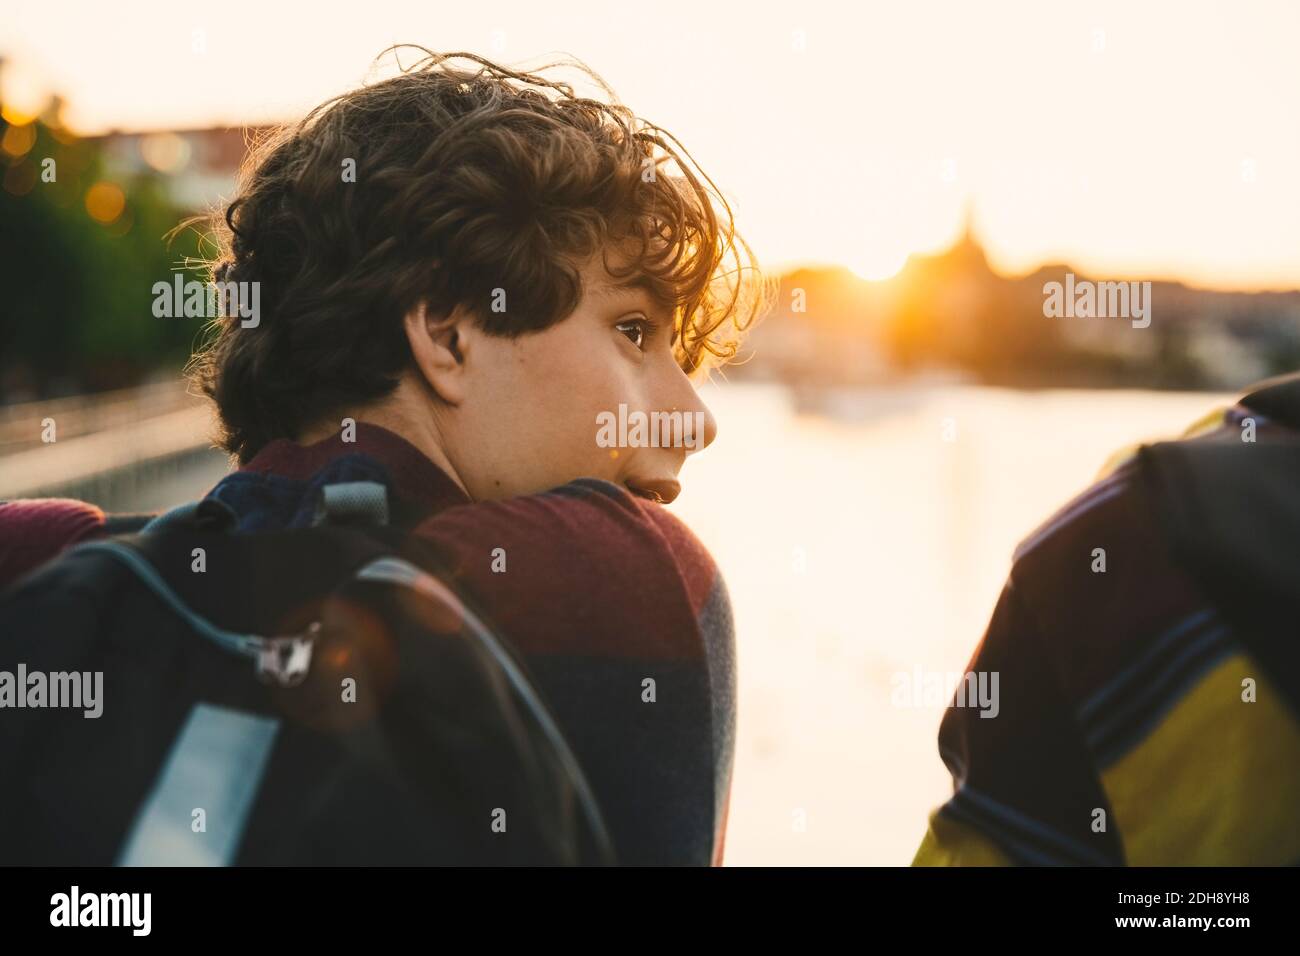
[{"x": 590, "y": 540}]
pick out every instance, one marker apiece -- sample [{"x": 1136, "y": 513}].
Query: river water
[{"x": 867, "y": 539}]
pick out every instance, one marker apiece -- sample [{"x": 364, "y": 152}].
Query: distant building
[
  {"x": 198, "y": 166},
  {"x": 952, "y": 311}
]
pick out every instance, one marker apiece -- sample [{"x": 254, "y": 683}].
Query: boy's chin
[
  {"x": 661, "y": 491},
  {"x": 646, "y": 494}
]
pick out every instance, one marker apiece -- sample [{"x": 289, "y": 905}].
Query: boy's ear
[{"x": 437, "y": 349}]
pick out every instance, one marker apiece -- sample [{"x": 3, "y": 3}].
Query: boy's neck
[{"x": 404, "y": 413}]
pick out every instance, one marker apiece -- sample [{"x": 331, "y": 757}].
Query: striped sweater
[{"x": 1143, "y": 719}]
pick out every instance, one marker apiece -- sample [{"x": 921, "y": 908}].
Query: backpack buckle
[{"x": 286, "y": 660}]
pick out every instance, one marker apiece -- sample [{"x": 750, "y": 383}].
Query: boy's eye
[{"x": 635, "y": 330}]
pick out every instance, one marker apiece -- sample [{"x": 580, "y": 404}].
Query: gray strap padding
[{"x": 353, "y": 502}]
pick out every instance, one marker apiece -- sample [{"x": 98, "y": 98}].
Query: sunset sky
[{"x": 1152, "y": 139}]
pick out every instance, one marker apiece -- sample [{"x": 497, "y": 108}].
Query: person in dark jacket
[{"x": 1145, "y": 642}]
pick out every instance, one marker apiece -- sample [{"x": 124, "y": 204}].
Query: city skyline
[{"x": 1059, "y": 124}]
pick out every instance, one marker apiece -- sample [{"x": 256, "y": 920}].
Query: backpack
[
  {"x": 188, "y": 695},
  {"x": 1230, "y": 512}
]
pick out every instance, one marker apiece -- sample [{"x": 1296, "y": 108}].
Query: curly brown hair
[{"x": 466, "y": 180}]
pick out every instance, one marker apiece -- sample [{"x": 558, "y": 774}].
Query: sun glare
[{"x": 879, "y": 266}]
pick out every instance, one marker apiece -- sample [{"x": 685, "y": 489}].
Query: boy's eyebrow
[{"x": 642, "y": 282}]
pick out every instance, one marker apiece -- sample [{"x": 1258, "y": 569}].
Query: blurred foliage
[{"x": 77, "y": 267}]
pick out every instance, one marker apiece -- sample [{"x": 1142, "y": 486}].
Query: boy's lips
[{"x": 662, "y": 490}]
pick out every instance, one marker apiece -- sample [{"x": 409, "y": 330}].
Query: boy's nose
[
  {"x": 707, "y": 429},
  {"x": 699, "y": 427}
]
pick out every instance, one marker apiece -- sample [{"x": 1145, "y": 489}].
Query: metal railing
[
  {"x": 56, "y": 447},
  {"x": 22, "y": 425}
]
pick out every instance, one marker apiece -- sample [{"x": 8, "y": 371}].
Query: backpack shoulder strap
[{"x": 1230, "y": 512}]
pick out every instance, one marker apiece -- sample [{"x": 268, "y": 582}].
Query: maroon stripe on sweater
[
  {"x": 34, "y": 530},
  {"x": 562, "y": 592}
]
